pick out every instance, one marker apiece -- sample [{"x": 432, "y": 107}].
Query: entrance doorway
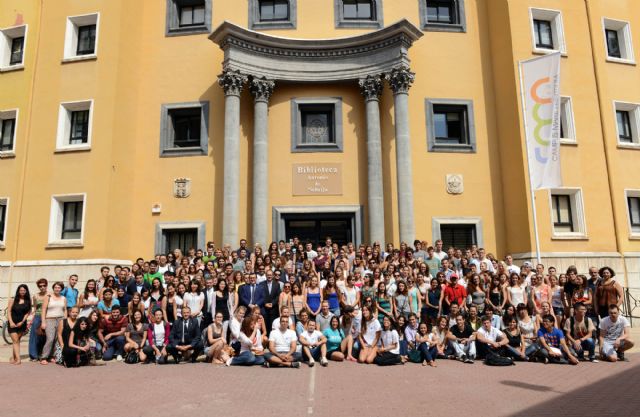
[{"x": 317, "y": 227}]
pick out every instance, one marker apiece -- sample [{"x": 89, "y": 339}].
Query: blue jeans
[
  {"x": 36, "y": 341},
  {"x": 404, "y": 348},
  {"x": 247, "y": 358},
  {"x": 588, "y": 345},
  {"x": 115, "y": 347},
  {"x": 428, "y": 353}
]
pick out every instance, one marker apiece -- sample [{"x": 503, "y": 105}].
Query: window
[
  {"x": 633, "y": 204},
  {"x": 442, "y": 15},
  {"x": 272, "y": 14},
  {"x": 547, "y": 31},
  {"x": 627, "y": 124},
  {"x": 617, "y": 35},
  {"x": 71, "y": 219},
  {"x": 567, "y": 213},
  {"x": 81, "y": 38},
  {"x": 66, "y": 226},
  {"x": 12, "y": 46},
  {"x": 4, "y": 203},
  {"x": 185, "y": 129},
  {"x": 74, "y": 126},
  {"x": 567, "y": 127},
  {"x": 8, "y": 123},
  {"x": 188, "y": 17},
  {"x": 316, "y": 125},
  {"x": 450, "y": 125},
  {"x": 86, "y": 40},
  {"x": 358, "y": 13},
  {"x": 458, "y": 235},
  {"x": 181, "y": 235},
  {"x": 17, "y": 50}
]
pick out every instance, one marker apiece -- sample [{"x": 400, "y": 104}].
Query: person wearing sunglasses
[{"x": 36, "y": 337}]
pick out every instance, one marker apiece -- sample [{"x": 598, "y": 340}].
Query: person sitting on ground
[
  {"x": 579, "y": 331},
  {"x": 136, "y": 336},
  {"x": 427, "y": 343},
  {"x": 552, "y": 342},
  {"x": 282, "y": 346},
  {"x": 184, "y": 340},
  {"x": 369, "y": 335},
  {"x": 336, "y": 342},
  {"x": 158, "y": 339},
  {"x": 614, "y": 335},
  {"x": 111, "y": 335},
  {"x": 78, "y": 351},
  {"x": 216, "y": 341},
  {"x": 461, "y": 337},
  {"x": 388, "y": 352},
  {"x": 314, "y": 345},
  {"x": 515, "y": 349},
  {"x": 489, "y": 340}
]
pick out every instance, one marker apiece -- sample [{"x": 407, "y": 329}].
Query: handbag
[
  {"x": 415, "y": 356},
  {"x": 132, "y": 358}
]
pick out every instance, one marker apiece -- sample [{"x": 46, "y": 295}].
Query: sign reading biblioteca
[{"x": 317, "y": 179}]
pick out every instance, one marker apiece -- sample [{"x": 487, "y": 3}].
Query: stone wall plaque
[
  {"x": 455, "y": 184},
  {"x": 182, "y": 187},
  {"x": 317, "y": 179}
]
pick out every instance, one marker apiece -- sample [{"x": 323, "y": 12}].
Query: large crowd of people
[{"x": 294, "y": 303}]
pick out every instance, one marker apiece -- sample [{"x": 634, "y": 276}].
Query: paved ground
[{"x": 339, "y": 390}]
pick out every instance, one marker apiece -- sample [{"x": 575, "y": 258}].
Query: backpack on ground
[{"x": 494, "y": 359}]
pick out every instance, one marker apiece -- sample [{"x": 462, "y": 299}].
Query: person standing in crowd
[
  {"x": 184, "y": 340},
  {"x": 608, "y": 292},
  {"x": 108, "y": 303},
  {"x": 70, "y": 292},
  {"x": 195, "y": 301},
  {"x": 36, "y": 339},
  {"x": 111, "y": 335},
  {"x": 19, "y": 309},
  {"x": 313, "y": 296},
  {"x": 88, "y": 301},
  {"x": 271, "y": 290},
  {"x": 614, "y": 335},
  {"x": 54, "y": 310},
  {"x": 64, "y": 331}
]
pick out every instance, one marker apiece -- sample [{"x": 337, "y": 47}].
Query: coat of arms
[{"x": 182, "y": 187}]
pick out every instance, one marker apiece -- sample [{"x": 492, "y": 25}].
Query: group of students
[{"x": 295, "y": 304}]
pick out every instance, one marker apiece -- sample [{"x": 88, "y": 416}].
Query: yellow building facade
[{"x": 178, "y": 122}]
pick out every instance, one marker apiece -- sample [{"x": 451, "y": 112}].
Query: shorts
[
  {"x": 296, "y": 356},
  {"x": 329, "y": 352},
  {"x": 609, "y": 350},
  {"x": 315, "y": 353}
]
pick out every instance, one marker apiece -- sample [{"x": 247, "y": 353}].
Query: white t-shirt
[
  {"x": 373, "y": 326},
  {"x": 491, "y": 335},
  {"x": 158, "y": 330},
  {"x": 350, "y": 295},
  {"x": 282, "y": 340},
  {"x": 613, "y": 330},
  {"x": 193, "y": 302},
  {"x": 312, "y": 338},
  {"x": 388, "y": 338},
  {"x": 276, "y": 323},
  {"x": 311, "y": 255},
  {"x": 440, "y": 255}
]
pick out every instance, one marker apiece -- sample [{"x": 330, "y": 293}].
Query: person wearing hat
[{"x": 454, "y": 292}]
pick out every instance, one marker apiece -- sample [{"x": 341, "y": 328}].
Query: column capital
[
  {"x": 232, "y": 82},
  {"x": 400, "y": 79},
  {"x": 261, "y": 88},
  {"x": 371, "y": 87}
]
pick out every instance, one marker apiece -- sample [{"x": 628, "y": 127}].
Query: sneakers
[
  {"x": 228, "y": 362},
  {"x": 311, "y": 363},
  {"x": 463, "y": 358},
  {"x": 621, "y": 356},
  {"x": 119, "y": 358},
  {"x": 265, "y": 364},
  {"x": 593, "y": 360},
  {"x": 324, "y": 362},
  {"x": 468, "y": 360},
  {"x": 295, "y": 364}
]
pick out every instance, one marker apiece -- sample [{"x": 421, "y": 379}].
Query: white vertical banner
[{"x": 540, "y": 83}]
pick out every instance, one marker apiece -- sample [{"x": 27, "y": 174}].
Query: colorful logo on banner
[{"x": 540, "y": 122}]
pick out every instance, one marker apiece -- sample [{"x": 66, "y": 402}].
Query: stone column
[
  {"x": 400, "y": 80},
  {"x": 371, "y": 88},
  {"x": 261, "y": 89},
  {"x": 231, "y": 82}
]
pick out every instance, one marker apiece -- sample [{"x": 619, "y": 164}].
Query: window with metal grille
[
  {"x": 562, "y": 213},
  {"x": 442, "y": 11},
  {"x": 624, "y": 126},
  {"x": 613, "y": 43},
  {"x": 358, "y": 10},
  {"x": 458, "y": 235},
  {"x": 317, "y": 124},
  {"x": 450, "y": 124},
  {"x": 544, "y": 34},
  {"x": 186, "y": 126},
  {"x": 3, "y": 219},
  {"x": 8, "y": 127},
  {"x": 17, "y": 51},
  {"x": 634, "y": 213},
  {"x": 274, "y": 10},
  {"x": 86, "y": 40},
  {"x": 72, "y": 219},
  {"x": 79, "y": 132},
  {"x": 192, "y": 14}
]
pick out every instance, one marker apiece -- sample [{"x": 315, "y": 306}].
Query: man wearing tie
[
  {"x": 209, "y": 308},
  {"x": 138, "y": 284},
  {"x": 251, "y": 295},
  {"x": 184, "y": 340},
  {"x": 271, "y": 290}
]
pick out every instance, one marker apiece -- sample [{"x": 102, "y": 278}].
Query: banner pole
[{"x": 526, "y": 145}]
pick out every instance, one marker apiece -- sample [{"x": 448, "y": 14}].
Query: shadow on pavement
[
  {"x": 531, "y": 387},
  {"x": 614, "y": 395}
]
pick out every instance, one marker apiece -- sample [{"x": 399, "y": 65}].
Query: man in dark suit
[
  {"x": 137, "y": 285},
  {"x": 209, "y": 306},
  {"x": 251, "y": 295},
  {"x": 185, "y": 341},
  {"x": 271, "y": 291}
]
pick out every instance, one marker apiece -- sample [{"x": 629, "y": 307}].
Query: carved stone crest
[
  {"x": 455, "y": 184},
  {"x": 182, "y": 187}
]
